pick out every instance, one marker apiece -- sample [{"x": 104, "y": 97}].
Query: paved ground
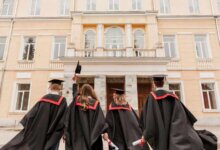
[{"x": 6, "y": 134}]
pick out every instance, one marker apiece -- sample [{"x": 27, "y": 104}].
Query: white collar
[
  {"x": 54, "y": 92},
  {"x": 160, "y": 88}
]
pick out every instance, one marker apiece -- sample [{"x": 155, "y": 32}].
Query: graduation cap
[
  {"x": 159, "y": 77},
  {"x": 78, "y": 68},
  {"x": 118, "y": 91},
  {"x": 56, "y": 81}
]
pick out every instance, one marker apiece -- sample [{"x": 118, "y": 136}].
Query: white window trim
[
  {"x": 208, "y": 46},
  {"x": 194, "y": 6},
  {"x": 123, "y": 34},
  {"x": 136, "y": 5},
  {"x": 53, "y": 43},
  {"x": 84, "y": 37},
  {"x": 35, "y": 9},
  {"x": 181, "y": 89},
  {"x": 64, "y": 9},
  {"x": 164, "y": 4},
  {"x": 119, "y": 4},
  {"x": 133, "y": 37},
  {"x": 91, "y": 5},
  {"x": 216, "y": 95},
  {"x": 176, "y": 45},
  {"x": 14, "y": 96},
  {"x": 5, "y": 48},
  {"x": 218, "y": 6},
  {"x": 22, "y": 48},
  {"x": 7, "y": 14}
]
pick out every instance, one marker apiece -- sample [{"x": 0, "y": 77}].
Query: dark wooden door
[{"x": 143, "y": 91}]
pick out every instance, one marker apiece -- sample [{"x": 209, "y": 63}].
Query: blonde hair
[
  {"x": 120, "y": 98},
  {"x": 55, "y": 87},
  {"x": 87, "y": 91}
]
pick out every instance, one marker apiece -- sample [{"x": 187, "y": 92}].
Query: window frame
[
  {"x": 38, "y": 2},
  {"x": 207, "y": 45},
  {"x": 163, "y": 3},
  {"x": 53, "y": 48},
  {"x": 8, "y": 8},
  {"x": 90, "y": 5},
  {"x": 15, "y": 96},
  {"x": 182, "y": 91},
  {"x": 23, "y": 46},
  {"x": 95, "y": 37},
  {"x": 4, "y": 48},
  {"x": 113, "y": 9},
  {"x": 136, "y": 5},
  {"x": 144, "y": 38},
  {"x": 123, "y": 40},
  {"x": 195, "y": 6},
  {"x": 175, "y": 44},
  {"x": 66, "y": 7},
  {"x": 216, "y": 95}
]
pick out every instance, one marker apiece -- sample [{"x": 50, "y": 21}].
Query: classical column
[
  {"x": 129, "y": 42},
  {"x": 77, "y": 35},
  {"x": 67, "y": 87},
  {"x": 100, "y": 88},
  {"x": 131, "y": 90},
  {"x": 152, "y": 32}
]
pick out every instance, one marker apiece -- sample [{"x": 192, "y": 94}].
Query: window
[
  {"x": 114, "y": 38},
  {"x": 202, "y": 46},
  {"x": 90, "y": 39},
  {"x": 91, "y": 4},
  {"x": 7, "y": 7},
  {"x": 218, "y": 5},
  {"x": 22, "y": 97},
  {"x": 113, "y": 4},
  {"x": 170, "y": 45},
  {"x": 139, "y": 39},
  {"x": 136, "y": 4},
  {"x": 29, "y": 49},
  {"x": 164, "y": 6},
  {"x": 176, "y": 88},
  {"x": 2, "y": 47},
  {"x": 35, "y": 7},
  {"x": 64, "y": 7},
  {"x": 59, "y": 47},
  {"x": 194, "y": 6},
  {"x": 209, "y": 97}
]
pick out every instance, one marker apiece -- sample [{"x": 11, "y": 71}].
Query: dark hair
[{"x": 159, "y": 83}]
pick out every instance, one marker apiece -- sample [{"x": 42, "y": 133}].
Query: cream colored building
[{"x": 120, "y": 43}]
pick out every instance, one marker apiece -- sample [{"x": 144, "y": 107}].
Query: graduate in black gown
[
  {"x": 167, "y": 123},
  {"x": 123, "y": 123},
  {"x": 43, "y": 124},
  {"x": 85, "y": 120}
]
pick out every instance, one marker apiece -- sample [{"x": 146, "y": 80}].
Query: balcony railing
[{"x": 113, "y": 53}]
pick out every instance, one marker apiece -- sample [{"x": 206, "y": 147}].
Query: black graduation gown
[
  {"x": 168, "y": 124},
  {"x": 43, "y": 125},
  {"x": 123, "y": 127},
  {"x": 84, "y": 128}
]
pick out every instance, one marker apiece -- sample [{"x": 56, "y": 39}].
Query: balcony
[{"x": 115, "y": 53}]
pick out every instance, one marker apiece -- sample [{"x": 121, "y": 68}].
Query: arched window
[
  {"x": 114, "y": 38},
  {"x": 90, "y": 38},
  {"x": 139, "y": 39}
]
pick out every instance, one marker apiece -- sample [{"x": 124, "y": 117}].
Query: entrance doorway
[
  {"x": 144, "y": 88},
  {"x": 113, "y": 82},
  {"x": 86, "y": 80}
]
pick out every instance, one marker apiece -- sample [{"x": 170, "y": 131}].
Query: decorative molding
[
  {"x": 205, "y": 75},
  {"x": 23, "y": 75},
  {"x": 57, "y": 75}
]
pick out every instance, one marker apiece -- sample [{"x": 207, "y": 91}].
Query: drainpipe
[{"x": 8, "y": 48}]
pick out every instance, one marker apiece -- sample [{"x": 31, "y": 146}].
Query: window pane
[
  {"x": 207, "y": 86},
  {"x": 205, "y": 98},
  {"x": 62, "y": 50},
  {"x": 25, "y": 101},
  {"x": 56, "y": 50},
  {"x": 114, "y": 38},
  {"x": 174, "y": 86},
  {"x": 22, "y": 87},
  {"x": 19, "y": 99},
  {"x": 212, "y": 100}
]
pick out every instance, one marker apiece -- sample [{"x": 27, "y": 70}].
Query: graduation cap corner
[{"x": 78, "y": 68}]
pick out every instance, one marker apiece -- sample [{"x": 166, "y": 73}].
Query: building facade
[{"x": 119, "y": 43}]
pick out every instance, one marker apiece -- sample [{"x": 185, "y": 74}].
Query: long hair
[{"x": 87, "y": 92}]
